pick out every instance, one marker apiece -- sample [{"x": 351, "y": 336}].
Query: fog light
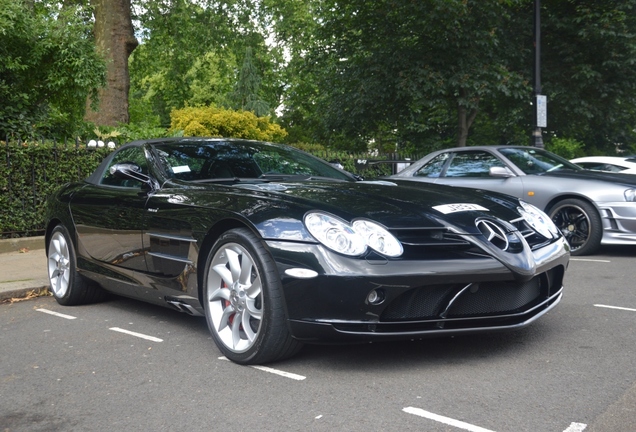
[{"x": 375, "y": 297}]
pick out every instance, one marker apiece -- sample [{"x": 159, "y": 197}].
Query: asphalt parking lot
[{"x": 125, "y": 365}]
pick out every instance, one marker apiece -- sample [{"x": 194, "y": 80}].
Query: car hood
[
  {"x": 395, "y": 204},
  {"x": 616, "y": 178}
]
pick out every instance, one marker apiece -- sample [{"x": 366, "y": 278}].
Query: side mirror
[
  {"x": 503, "y": 172},
  {"x": 132, "y": 171}
]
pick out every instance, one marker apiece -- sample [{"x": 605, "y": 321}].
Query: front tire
[
  {"x": 68, "y": 286},
  {"x": 242, "y": 295},
  {"x": 580, "y": 223}
]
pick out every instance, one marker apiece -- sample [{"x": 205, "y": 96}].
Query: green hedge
[{"x": 29, "y": 173}]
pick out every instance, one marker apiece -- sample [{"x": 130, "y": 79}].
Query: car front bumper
[
  {"x": 619, "y": 222},
  {"x": 357, "y": 299}
]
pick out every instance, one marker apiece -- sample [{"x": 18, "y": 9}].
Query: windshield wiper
[
  {"x": 230, "y": 180},
  {"x": 283, "y": 177}
]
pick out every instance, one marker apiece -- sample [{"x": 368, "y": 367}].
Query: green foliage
[
  {"x": 589, "y": 71},
  {"x": 245, "y": 95},
  {"x": 49, "y": 66},
  {"x": 568, "y": 148},
  {"x": 188, "y": 53},
  {"x": 213, "y": 121},
  {"x": 354, "y": 75},
  {"x": 124, "y": 133},
  {"x": 401, "y": 72},
  {"x": 309, "y": 147},
  {"x": 29, "y": 173}
]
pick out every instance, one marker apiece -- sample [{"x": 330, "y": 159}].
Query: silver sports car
[{"x": 590, "y": 208}]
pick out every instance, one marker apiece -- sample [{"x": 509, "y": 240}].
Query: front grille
[
  {"x": 449, "y": 301},
  {"x": 495, "y": 298},
  {"x": 534, "y": 239},
  {"x": 444, "y": 241},
  {"x": 435, "y": 237},
  {"x": 425, "y": 302}
]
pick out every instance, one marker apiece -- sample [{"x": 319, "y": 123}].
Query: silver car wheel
[
  {"x": 59, "y": 264},
  {"x": 235, "y": 298}
]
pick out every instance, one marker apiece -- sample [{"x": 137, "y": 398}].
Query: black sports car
[{"x": 276, "y": 248}]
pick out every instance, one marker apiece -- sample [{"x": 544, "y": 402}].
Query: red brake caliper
[{"x": 226, "y": 303}]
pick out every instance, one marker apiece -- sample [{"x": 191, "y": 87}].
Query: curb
[
  {"x": 23, "y": 293},
  {"x": 33, "y": 288},
  {"x": 15, "y": 244}
]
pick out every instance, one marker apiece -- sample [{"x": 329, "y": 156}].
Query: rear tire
[
  {"x": 242, "y": 296},
  {"x": 580, "y": 223},
  {"x": 66, "y": 284}
]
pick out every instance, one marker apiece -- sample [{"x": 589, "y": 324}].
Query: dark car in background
[
  {"x": 277, "y": 248},
  {"x": 590, "y": 208}
]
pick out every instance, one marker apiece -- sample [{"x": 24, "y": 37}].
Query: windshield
[
  {"x": 537, "y": 161},
  {"x": 201, "y": 160}
]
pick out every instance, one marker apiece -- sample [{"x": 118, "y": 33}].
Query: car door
[{"x": 109, "y": 216}]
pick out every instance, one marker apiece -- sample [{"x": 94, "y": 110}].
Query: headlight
[
  {"x": 378, "y": 238},
  {"x": 538, "y": 220},
  {"x": 630, "y": 195},
  {"x": 335, "y": 233},
  {"x": 354, "y": 239}
]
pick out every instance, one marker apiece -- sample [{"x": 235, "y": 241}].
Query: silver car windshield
[{"x": 537, "y": 161}]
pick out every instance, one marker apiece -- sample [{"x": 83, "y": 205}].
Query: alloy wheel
[
  {"x": 234, "y": 297},
  {"x": 59, "y": 263}
]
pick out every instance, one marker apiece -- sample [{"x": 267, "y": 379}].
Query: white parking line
[
  {"x": 139, "y": 335},
  {"x": 446, "y": 420},
  {"x": 50, "y": 312},
  {"x": 274, "y": 371},
  {"x": 615, "y": 307},
  {"x": 589, "y": 260},
  {"x": 576, "y": 427}
]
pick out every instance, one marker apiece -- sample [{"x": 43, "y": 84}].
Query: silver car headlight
[
  {"x": 354, "y": 239},
  {"x": 538, "y": 220},
  {"x": 630, "y": 195}
]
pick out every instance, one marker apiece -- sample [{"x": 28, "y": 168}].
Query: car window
[
  {"x": 537, "y": 161},
  {"x": 127, "y": 155},
  {"x": 472, "y": 164},
  {"x": 600, "y": 166},
  {"x": 433, "y": 168}
]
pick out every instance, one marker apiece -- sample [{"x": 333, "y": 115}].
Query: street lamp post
[{"x": 540, "y": 101}]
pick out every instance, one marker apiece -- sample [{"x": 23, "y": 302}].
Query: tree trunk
[
  {"x": 465, "y": 119},
  {"x": 115, "y": 40}
]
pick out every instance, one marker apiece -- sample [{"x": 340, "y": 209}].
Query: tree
[
  {"x": 115, "y": 40},
  {"x": 245, "y": 95},
  {"x": 589, "y": 72},
  {"x": 386, "y": 68},
  {"x": 49, "y": 66},
  {"x": 189, "y": 51}
]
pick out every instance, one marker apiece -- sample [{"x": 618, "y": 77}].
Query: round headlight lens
[
  {"x": 335, "y": 233},
  {"x": 538, "y": 220},
  {"x": 378, "y": 238},
  {"x": 630, "y": 195}
]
